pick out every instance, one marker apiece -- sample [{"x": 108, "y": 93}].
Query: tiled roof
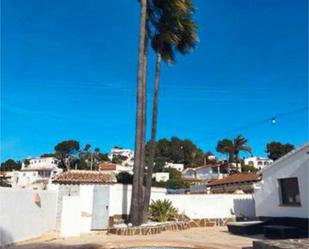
[
  {"x": 236, "y": 178},
  {"x": 84, "y": 177},
  {"x": 107, "y": 166}
]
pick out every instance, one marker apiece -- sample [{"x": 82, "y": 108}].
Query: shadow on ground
[{"x": 53, "y": 246}]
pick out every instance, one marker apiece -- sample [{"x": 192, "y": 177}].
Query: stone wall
[{"x": 170, "y": 226}]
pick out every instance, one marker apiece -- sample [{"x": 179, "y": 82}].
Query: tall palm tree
[
  {"x": 174, "y": 31},
  {"x": 225, "y": 146},
  {"x": 136, "y": 217},
  {"x": 232, "y": 148},
  {"x": 240, "y": 144}
]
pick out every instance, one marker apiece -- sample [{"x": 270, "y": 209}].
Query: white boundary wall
[
  {"x": 194, "y": 206},
  {"x": 21, "y": 218}
]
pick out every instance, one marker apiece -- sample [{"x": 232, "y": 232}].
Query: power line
[{"x": 272, "y": 119}]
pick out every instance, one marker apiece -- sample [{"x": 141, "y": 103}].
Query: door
[{"x": 100, "y": 207}]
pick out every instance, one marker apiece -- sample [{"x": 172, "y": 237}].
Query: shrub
[
  {"x": 177, "y": 184},
  {"x": 124, "y": 178},
  {"x": 162, "y": 210}
]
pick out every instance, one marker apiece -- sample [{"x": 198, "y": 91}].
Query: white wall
[
  {"x": 73, "y": 222},
  {"x": 120, "y": 198},
  {"x": 267, "y": 198},
  {"x": 21, "y": 218},
  {"x": 214, "y": 205},
  {"x": 86, "y": 196},
  {"x": 194, "y": 206}
]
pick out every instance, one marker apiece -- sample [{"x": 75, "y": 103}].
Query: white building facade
[
  {"x": 258, "y": 162},
  {"x": 283, "y": 191},
  {"x": 36, "y": 172},
  {"x": 127, "y": 155},
  {"x": 206, "y": 172},
  {"x": 161, "y": 176},
  {"x": 178, "y": 166}
]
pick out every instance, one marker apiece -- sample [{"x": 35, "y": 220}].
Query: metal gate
[{"x": 100, "y": 208}]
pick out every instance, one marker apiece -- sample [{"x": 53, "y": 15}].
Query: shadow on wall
[
  {"x": 5, "y": 238},
  {"x": 244, "y": 208},
  {"x": 124, "y": 199}
]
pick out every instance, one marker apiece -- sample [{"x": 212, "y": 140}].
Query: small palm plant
[{"x": 162, "y": 210}]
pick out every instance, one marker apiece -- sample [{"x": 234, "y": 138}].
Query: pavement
[{"x": 206, "y": 238}]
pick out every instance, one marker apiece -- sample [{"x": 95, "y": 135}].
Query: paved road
[{"x": 207, "y": 238}]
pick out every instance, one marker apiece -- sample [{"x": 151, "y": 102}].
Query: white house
[
  {"x": 161, "y": 176},
  {"x": 83, "y": 201},
  {"x": 283, "y": 191},
  {"x": 36, "y": 172},
  {"x": 178, "y": 166},
  {"x": 207, "y": 172},
  {"x": 258, "y": 162},
  {"x": 127, "y": 155}
]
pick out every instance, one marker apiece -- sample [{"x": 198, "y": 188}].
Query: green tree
[
  {"x": 173, "y": 173},
  {"x": 176, "y": 150},
  {"x": 124, "y": 178},
  {"x": 117, "y": 159},
  {"x": 233, "y": 147},
  {"x": 276, "y": 150},
  {"x": 225, "y": 147},
  {"x": 10, "y": 165},
  {"x": 240, "y": 145},
  {"x": 177, "y": 184},
  {"x": 65, "y": 151},
  {"x": 248, "y": 168},
  {"x": 48, "y": 155},
  {"x": 26, "y": 162}
]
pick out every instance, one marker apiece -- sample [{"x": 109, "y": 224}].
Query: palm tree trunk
[
  {"x": 237, "y": 159},
  {"x": 153, "y": 137},
  {"x": 141, "y": 176},
  {"x": 135, "y": 210}
]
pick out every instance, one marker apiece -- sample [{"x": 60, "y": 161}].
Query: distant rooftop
[
  {"x": 84, "y": 177},
  {"x": 236, "y": 178},
  {"x": 107, "y": 166}
]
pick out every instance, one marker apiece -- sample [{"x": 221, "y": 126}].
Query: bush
[
  {"x": 162, "y": 210},
  {"x": 159, "y": 184},
  {"x": 124, "y": 178},
  {"x": 248, "y": 168},
  {"x": 177, "y": 184}
]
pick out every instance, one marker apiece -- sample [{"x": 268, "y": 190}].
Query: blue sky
[{"x": 68, "y": 71}]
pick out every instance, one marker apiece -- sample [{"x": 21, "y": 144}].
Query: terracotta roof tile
[
  {"x": 84, "y": 177},
  {"x": 236, "y": 178},
  {"x": 107, "y": 166}
]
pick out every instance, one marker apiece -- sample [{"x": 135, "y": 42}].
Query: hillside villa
[
  {"x": 36, "y": 172},
  {"x": 258, "y": 162}
]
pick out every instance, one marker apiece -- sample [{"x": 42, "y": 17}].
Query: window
[
  {"x": 251, "y": 163},
  {"x": 260, "y": 163},
  {"x": 289, "y": 191}
]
